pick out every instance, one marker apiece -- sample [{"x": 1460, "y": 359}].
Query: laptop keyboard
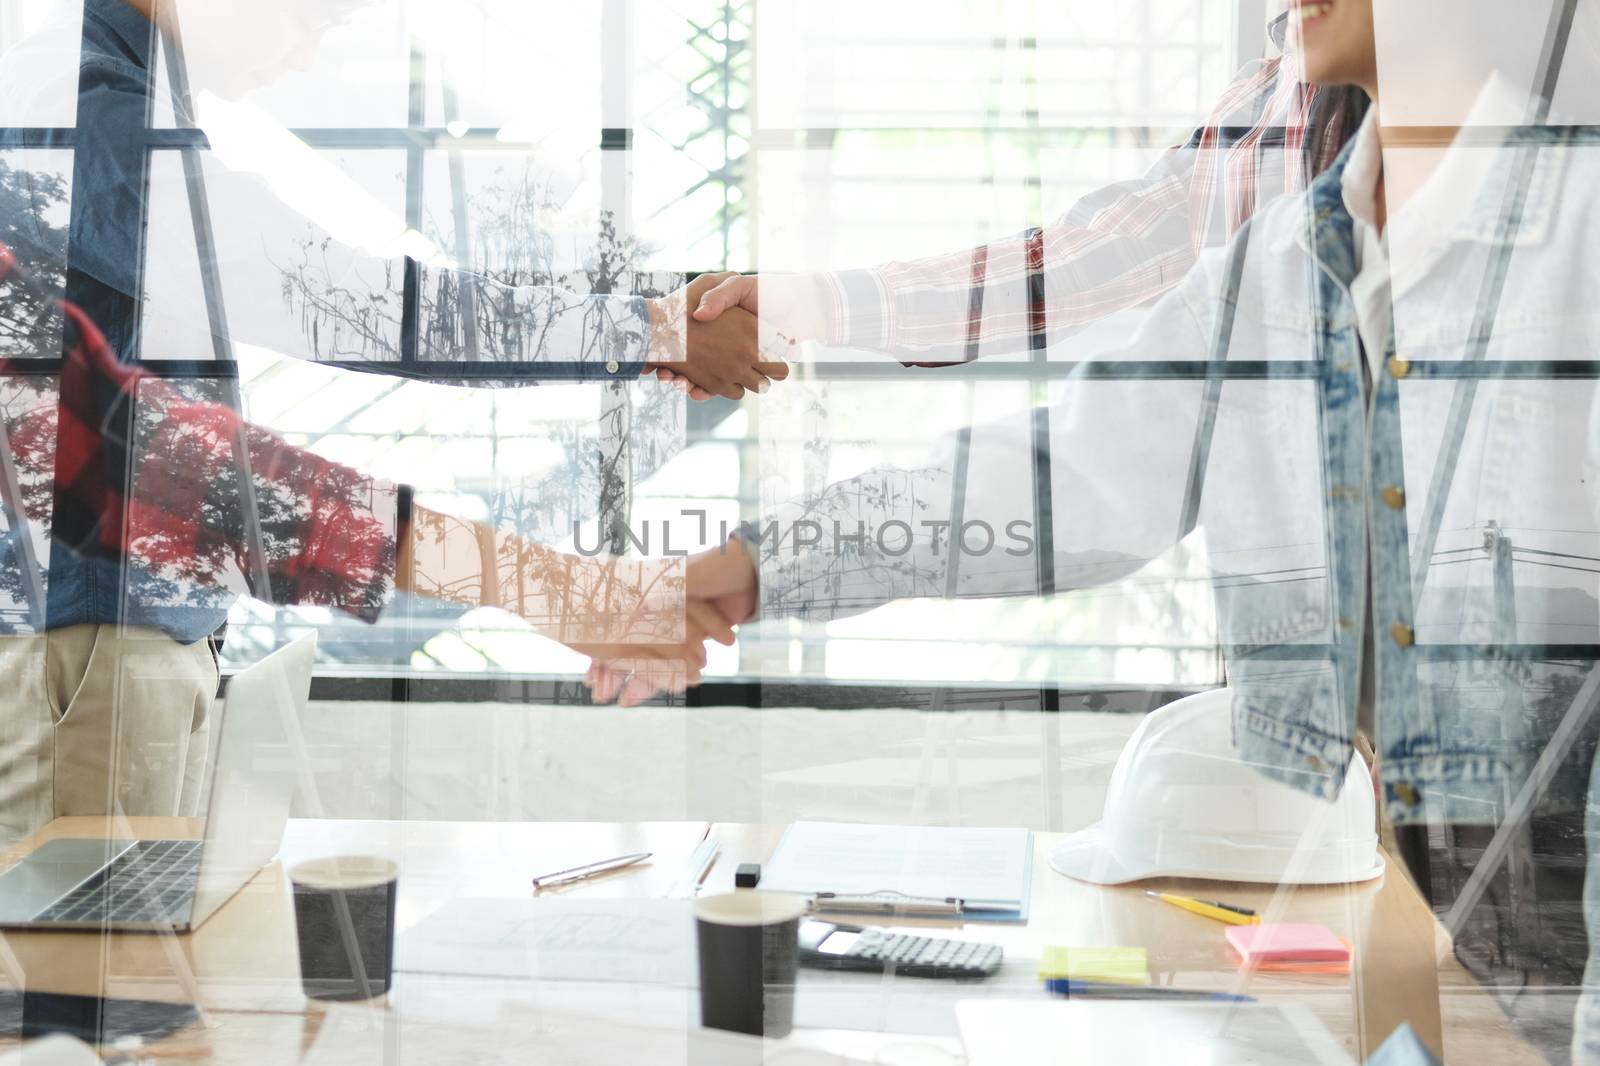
[{"x": 153, "y": 881}]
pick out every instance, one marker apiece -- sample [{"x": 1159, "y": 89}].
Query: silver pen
[
  {"x": 885, "y": 904},
  {"x": 578, "y": 873},
  {"x": 700, "y": 863}
]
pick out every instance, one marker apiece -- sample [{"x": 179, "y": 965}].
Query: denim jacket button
[
  {"x": 1394, "y": 497},
  {"x": 1402, "y": 635},
  {"x": 1407, "y": 793},
  {"x": 1399, "y": 368}
]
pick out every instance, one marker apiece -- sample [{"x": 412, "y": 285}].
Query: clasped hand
[
  {"x": 720, "y": 593},
  {"x": 709, "y": 355}
]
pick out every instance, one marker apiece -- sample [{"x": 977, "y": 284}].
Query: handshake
[
  {"x": 721, "y": 588},
  {"x": 707, "y": 340}
]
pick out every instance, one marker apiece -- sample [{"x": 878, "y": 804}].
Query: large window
[
  {"x": 619, "y": 146},
  {"x": 905, "y": 130}
]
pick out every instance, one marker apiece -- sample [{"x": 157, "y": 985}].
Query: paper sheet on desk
[
  {"x": 1059, "y": 1033},
  {"x": 647, "y": 941},
  {"x": 977, "y": 865},
  {"x": 353, "y": 1036}
]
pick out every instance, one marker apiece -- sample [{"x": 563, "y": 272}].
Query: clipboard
[{"x": 905, "y": 871}]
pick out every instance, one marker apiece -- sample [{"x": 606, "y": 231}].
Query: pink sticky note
[{"x": 1287, "y": 942}]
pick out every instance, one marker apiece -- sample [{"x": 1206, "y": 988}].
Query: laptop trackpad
[{"x": 51, "y": 871}]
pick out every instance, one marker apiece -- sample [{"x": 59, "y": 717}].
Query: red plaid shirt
[
  {"x": 1268, "y": 135},
  {"x": 326, "y": 534}
]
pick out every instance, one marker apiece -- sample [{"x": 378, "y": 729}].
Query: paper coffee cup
[
  {"x": 749, "y": 947},
  {"x": 344, "y": 911}
]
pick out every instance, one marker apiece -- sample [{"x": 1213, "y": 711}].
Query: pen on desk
[
  {"x": 578, "y": 873},
  {"x": 700, "y": 863},
  {"x": 1074, "y": 989},
  {"x": 877, "y": 904},
  {"x": 1221, "y": 912}
]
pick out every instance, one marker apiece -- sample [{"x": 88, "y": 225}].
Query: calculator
[{"x": 827, "y": 946}]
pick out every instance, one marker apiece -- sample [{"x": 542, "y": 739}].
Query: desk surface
[{"x": 246, "y": 973}]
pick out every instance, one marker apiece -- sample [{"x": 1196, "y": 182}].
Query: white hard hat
[{"x": 1183, "y": 804}]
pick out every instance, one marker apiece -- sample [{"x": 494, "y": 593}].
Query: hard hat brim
[{"x": 1085, "y": 856}]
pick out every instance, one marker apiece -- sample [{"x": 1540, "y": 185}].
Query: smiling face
[{"x": 1336, "y": 42}]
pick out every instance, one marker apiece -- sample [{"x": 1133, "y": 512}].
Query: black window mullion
[{"x": 411, "y": 286}]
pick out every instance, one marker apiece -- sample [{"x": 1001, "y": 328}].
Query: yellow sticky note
[{"x": 1118, "y": 966}]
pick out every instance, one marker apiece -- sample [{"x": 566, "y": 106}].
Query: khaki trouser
[{"x": 102, "y": 720}]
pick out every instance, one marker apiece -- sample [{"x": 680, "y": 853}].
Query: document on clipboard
[{"x": 910, "y": 871}]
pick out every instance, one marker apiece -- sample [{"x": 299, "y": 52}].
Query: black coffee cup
[
  {"x": 749, "y": 951},
  {"x": 344, "y": 918}
]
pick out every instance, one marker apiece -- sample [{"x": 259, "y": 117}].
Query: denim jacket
[{"x": 1461, "y": 715}]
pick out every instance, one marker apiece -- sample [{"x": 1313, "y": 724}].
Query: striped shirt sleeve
[{"x": 1119, "y": 247}]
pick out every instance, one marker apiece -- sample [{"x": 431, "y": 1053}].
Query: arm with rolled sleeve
[
  {"x": 1119, "y": 247},
  {"x": 325, "y": 535},
  {"x": 572, "y": 336},
  {"x": 1116, "y": 249},
  {"x": 1119, "y": 464}
]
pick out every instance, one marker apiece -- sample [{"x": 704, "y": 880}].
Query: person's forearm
[
  {"x": 577, "y": 335},
  {"x": 1001, "y": 297},
  {"x": 883, "y": 536},
  {"x": 796, "y": 308},
  {"x": 668, "y": 334},
  {"x": 569, "y": 598},
  {"x": 1117, "y": 488},
  {"x": 1116, "y": 248}
]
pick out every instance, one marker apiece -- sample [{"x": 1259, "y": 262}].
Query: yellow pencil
[{"x": 1221, "y": 912}]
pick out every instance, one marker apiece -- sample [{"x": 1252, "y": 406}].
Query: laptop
[{"x": 177, "y": 884}]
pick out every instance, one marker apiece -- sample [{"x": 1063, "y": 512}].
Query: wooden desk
[{"x": 245, "y": 970}]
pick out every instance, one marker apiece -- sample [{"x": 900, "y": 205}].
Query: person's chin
[{"x": 1315, "y": 73}]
